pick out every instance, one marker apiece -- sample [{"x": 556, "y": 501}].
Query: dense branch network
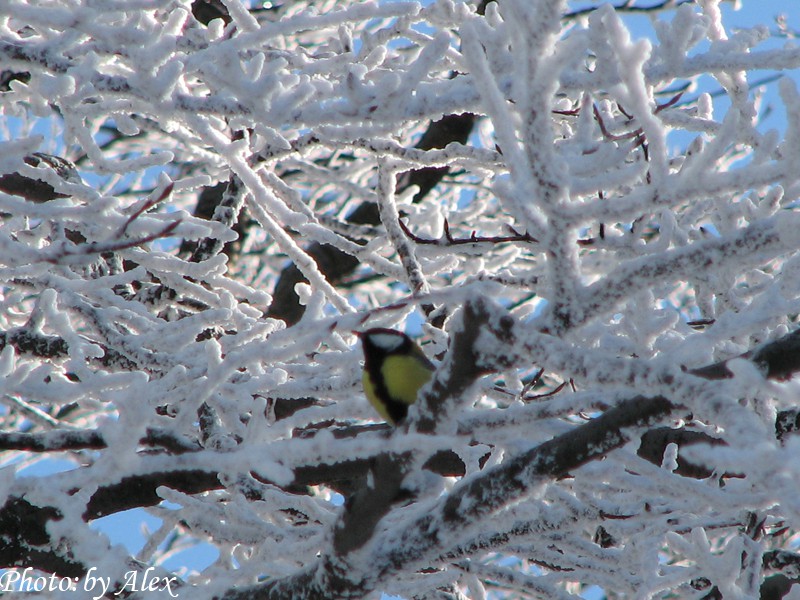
[
  {"x": 243, "y": 189},
  {"x": 486, "y": 494}
]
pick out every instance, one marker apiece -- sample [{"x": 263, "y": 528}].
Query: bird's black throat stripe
[{"x": 397, "y": 410}]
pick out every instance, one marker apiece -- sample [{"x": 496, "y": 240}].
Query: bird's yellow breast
[{"x": 402, "y": 377}]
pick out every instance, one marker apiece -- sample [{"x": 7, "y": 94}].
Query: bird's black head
[{"x": 382, "y": 341}]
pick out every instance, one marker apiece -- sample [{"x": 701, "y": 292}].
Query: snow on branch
[{"x": 587, "y": 227}]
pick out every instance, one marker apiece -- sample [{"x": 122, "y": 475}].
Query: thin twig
[
  {"x": 102, "y": 247},
  {"x": 147, "y": 205},
  {"x": 449, "y": 240}
]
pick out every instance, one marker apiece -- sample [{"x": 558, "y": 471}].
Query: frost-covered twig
[{"x": 449, "y": 240}]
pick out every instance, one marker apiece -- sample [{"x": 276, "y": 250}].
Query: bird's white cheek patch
[{"x": 386, "y": 341}]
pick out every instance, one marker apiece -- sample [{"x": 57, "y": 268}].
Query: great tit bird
[{"x": 394, "y": 371}]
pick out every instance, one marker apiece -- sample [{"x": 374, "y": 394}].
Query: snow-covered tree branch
[{"x": 590, "y": 230}]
